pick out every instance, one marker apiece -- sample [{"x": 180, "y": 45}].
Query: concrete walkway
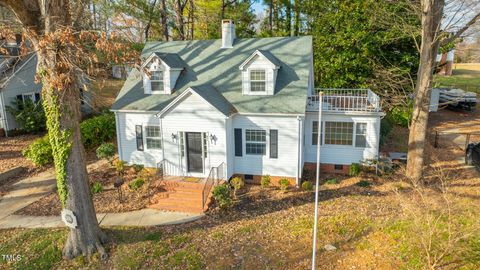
[
  {"x": 29, "y": 190},
  {"x": 144, "y": 217},
  {"x": 25, "y": 192}
]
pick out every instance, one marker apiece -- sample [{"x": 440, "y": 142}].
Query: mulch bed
[{"x": 106, "y": 201}]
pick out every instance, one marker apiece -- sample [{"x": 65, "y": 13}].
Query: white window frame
[
  {"x": 250, "y": 70},
  {"x": 365, "y": 135},
  {"x": 30, "y": 94},
  {"x": 338, "y": 145},
  {"x": 157, "y": 81},
  {"x": 256, "y": 142},
  {"x": 314, "y": 133},
  {"x": 158, "y": 138}
]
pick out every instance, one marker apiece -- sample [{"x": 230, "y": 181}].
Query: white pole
[{"x": 319, "y": 142}]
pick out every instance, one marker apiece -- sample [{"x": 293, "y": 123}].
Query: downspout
[
  {"x": 2, "y": 101},
  {"x": 299, "y": 150},
  {"x": 119, "y": 138}
]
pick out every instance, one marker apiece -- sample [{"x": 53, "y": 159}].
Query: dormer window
[
  {"x": 257, "y": 80},
  {"x": 259, "y": 73},
  {"x": 161, "y": 72},
  {"x": 156, "y": 81}
]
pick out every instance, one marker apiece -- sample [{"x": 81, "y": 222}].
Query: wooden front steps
[{"x": 179, "y": 196}]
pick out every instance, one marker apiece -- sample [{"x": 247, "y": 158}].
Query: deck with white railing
[{"x": 345, "y": 100}]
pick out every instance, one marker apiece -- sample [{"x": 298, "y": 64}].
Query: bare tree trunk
[
  {"x": 163, "y": 20},
  {"x": 270, "y": 16},
  {"x": 179, "y": 19},
  {"x": 296, "y": 23},
  {"x": 288, "y": 17},
  {"x": 432, "y": 12},
  {"x": 191, "y": 14}
]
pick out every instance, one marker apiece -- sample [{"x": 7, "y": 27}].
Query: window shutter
[
  {"x": 37, "y": 97},
  {"x": 146, "y": 84},
  {"x": 238, "y": 142},
  {"x": 139, "y": 137},
  {"x": 273, "y": 143}
]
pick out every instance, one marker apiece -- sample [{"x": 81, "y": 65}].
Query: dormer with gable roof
[
  {"x": 160, "y": 72},
  {"x": 259, "y": 73}
]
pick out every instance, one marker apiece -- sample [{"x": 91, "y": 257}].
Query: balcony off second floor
[{"x": 344, "y": 101}]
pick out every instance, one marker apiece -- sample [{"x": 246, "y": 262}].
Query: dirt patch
[{"x": 106, "y": 201}]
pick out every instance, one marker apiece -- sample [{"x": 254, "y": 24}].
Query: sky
[{"x": 258, "y": 7}]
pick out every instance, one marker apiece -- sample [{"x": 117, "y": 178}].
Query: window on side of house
[
  {"x": 153, "y": 137},
  {"x": 339, "y": 133},
  {"x": 315, "y": 133},
  {"x": 255, "y": 142},
  {"x": 205, "y": 144},
  {"x": 361, "y": 135},
  {"x": 257, "y": 80},
  {"x": 157, "y": 81}
]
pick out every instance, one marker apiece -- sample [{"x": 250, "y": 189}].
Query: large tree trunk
[
  {"x": 431, "y": 17},
  {"x": 62, "y": 105},
  {"x": 179, "y": 19}
]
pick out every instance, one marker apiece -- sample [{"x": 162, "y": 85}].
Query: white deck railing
[{"x": 345, "y": 100}]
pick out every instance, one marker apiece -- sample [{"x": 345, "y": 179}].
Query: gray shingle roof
[
  {"x": 171, "y": 59},
  {"x": 208, "y": 64}
]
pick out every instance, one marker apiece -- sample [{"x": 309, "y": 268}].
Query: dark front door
[{"x": 194, "y": 152}]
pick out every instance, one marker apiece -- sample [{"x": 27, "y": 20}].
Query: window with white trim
[
  {"x": 315, "y": 133},
  {"x": 255, "y": 142},
  {"x": 361, "y": 135},
  {"x": 339, "y": 133},
  {"x": 257, "y": 80},
  {"x": 156, "y": 81},
  {"x": 153, "y": 137}
]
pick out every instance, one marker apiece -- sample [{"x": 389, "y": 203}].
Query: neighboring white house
[
  {"x": 246, "y": 105},
  {"x": 17, "y": 82}
]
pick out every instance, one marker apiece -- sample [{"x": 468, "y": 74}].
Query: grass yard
[{"x": 465, "y": 76}]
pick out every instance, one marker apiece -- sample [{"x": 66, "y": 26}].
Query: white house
[{"x": 246, "y": 105}]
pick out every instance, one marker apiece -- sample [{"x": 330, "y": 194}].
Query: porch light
[
  {"x": 174, "y": 136},
  {"x": 213, "y": 138}
]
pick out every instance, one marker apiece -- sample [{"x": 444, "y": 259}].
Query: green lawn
[{"x": 465, "y": 76}]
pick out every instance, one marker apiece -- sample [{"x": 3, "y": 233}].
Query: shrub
[
  {"x": 284, "y": 184},
  {"x": 223, "y": 196},
  {"x": 331, "y": 181},
  {"x": 29, "y": 115},
  {"x": 401, "y": 115},
  {"x": 98, "y": 129},
  {"x": 119, "y": 166},
  {"x": 147, "y": 173},
  {"x": 386, "y": 127},
  {"x": 137, "y": 167},
  {"x": 39, "y": 152},
  {"x": 97, "y": 187},
  {"x": 265, "y": 182},
  {"x": 355, "y": 169},
  {"x": 106, "y": 151},
  {"x": 363, "y": 183},
  {"x": 307, "y": 185},
  {"x": 237, "y": 183},
  {"x": 136, "y": 184}
]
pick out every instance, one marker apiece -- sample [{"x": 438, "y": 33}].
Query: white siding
[
  {"x": 339, "y": 154},
  {"x": 286, "y": 163},
  {"x": 193, "y": 114}
]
